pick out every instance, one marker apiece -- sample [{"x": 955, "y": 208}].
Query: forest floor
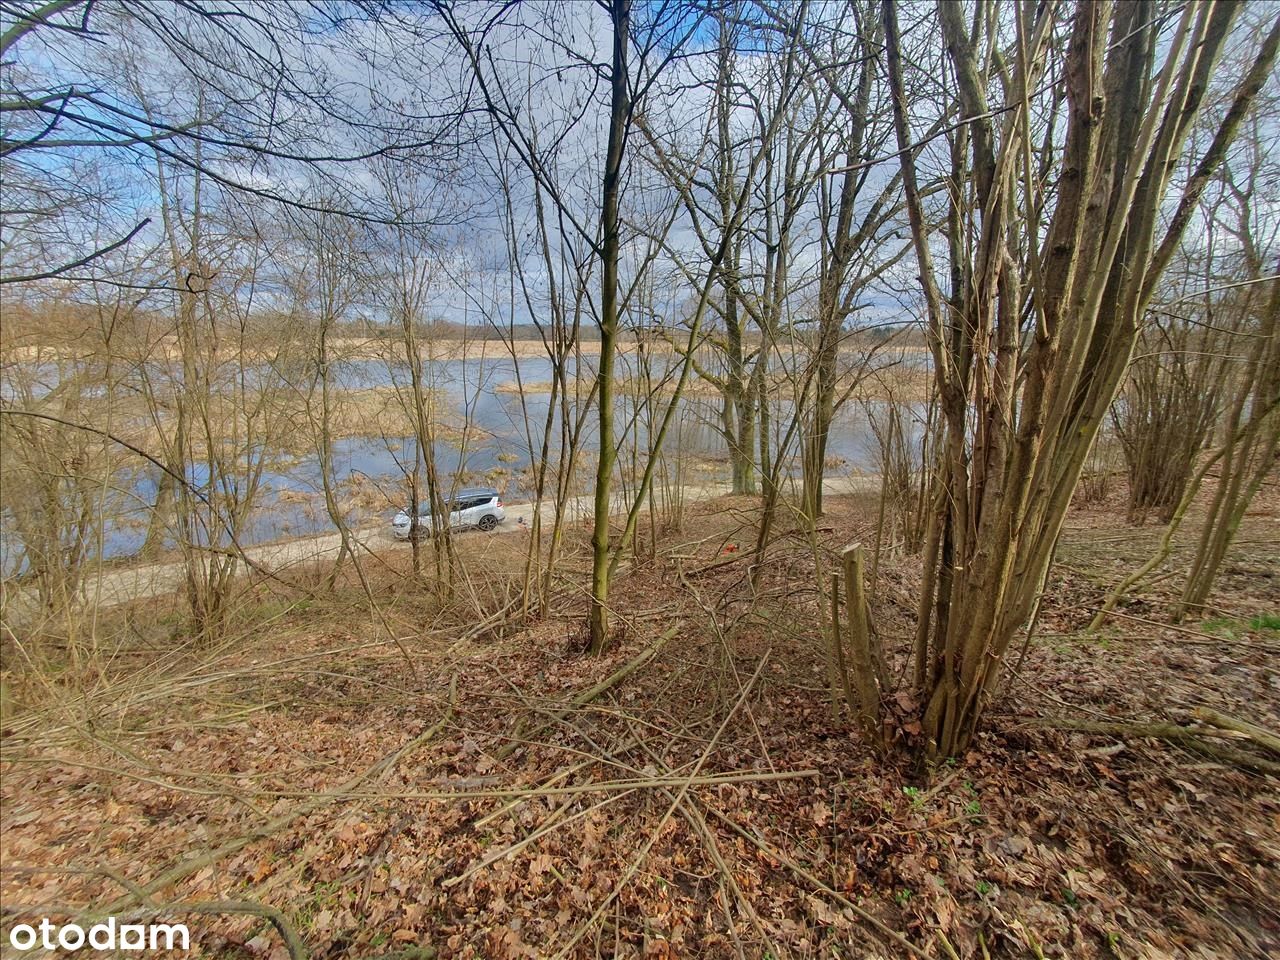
[{"x": 310, "y": 787}]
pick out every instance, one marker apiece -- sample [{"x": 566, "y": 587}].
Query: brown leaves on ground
[{"x": 1038, "y": 842}]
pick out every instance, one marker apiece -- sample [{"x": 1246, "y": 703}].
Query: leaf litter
[{"x": 658, "y": 819}]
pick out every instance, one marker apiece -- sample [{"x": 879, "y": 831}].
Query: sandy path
[{"x": 133, "y": 583}]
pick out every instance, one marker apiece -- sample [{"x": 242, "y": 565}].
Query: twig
[
  {"x": 551, "y": 823},
  {"x": 588, "y": 695},
  {"x": 641, "y": 854},
  {"x": 805, "y": 875},
  {"x": 946, "y": 945},
  {"x": 189, "y": 866}
]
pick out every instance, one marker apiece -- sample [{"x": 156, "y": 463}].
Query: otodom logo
[{"x": 107, "y": 935}]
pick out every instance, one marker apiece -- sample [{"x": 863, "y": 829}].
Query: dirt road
[{"x": 112, "y": 587}]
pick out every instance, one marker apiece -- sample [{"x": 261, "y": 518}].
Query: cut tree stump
[{"x": 864, "y": 658}]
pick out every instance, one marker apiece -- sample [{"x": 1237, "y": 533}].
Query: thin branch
[{"x": 49, "y": 274}]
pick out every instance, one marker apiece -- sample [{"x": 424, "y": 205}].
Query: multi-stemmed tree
[{"x": 1071, "y": 121}]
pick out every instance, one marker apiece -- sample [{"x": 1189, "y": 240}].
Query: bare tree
[
  {"x": 621, "y": 105},
  {"x": 1170, "y": 403},
  {"x": 856, "y": 215},
  {"x": 1022, "y": 408},
  {"x": 640, "y": 50},
  {"x": 1222, "y": 316},
  {"x": 336, "y": 272},
  {"x": 67, "y": 98},
  {"x": 1249, "y": 455},
  {"x": 57, "y": 479},
  {"x": 556, "y": 313}
]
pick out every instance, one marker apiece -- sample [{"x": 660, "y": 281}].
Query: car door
[
  {"x": 426, "y": 520},
  {"x": 458, "y": 512},
  {"x": 471, "y": 511}
]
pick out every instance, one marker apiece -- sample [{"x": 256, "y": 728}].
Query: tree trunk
[
  {"x": 1022, "y": 412},
  {"x": 619, "y": 114}
]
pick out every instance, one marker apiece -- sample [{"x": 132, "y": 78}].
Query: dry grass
[{"x": 904, "y": 384}]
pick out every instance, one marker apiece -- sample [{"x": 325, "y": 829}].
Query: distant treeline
[{"x": 55, "y": 321}]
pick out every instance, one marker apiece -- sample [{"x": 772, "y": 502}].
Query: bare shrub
[
  {"x": 1166, "y": 412},
  {"x": 1099, "y": 468}
]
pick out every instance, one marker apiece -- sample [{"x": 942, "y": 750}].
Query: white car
[{"x": 476, "y": 507}]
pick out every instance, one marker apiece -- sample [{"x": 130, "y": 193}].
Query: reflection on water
[{"x": 369, "y": 472}]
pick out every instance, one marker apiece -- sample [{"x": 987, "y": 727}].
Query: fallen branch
[
  {"x": 809, "y": 878},
  {"x": 189, "y": 866},
  {"x": 591, "y": 694},
  {"x": 1234, "y": 757},
  {"x": 1194, "y": 637},
  {"x": 293, "y": 943},
  {"x": 1259, "y": 735},
  {"x": 568, "y": 789},
  {"x": 1158, "y": 730},
  {"x": 1193, "y": 737}
]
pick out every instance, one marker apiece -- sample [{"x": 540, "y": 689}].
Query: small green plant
[
  {"x": 1234, "y": 629},
  {"x": 983, "y": 888},
  {"x": 1070, "y": 897},
  {"x": 1221, "y": 625},
  {"x": 902, "y": 896},
  {"x": 973, "y": 808},
  {"x": 914, "y": 795}
]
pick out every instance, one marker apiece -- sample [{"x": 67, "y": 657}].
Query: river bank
[{"x": 116, "y": 584}]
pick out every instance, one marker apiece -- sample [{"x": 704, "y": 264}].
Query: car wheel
[{"x": 488, "y": 522}]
